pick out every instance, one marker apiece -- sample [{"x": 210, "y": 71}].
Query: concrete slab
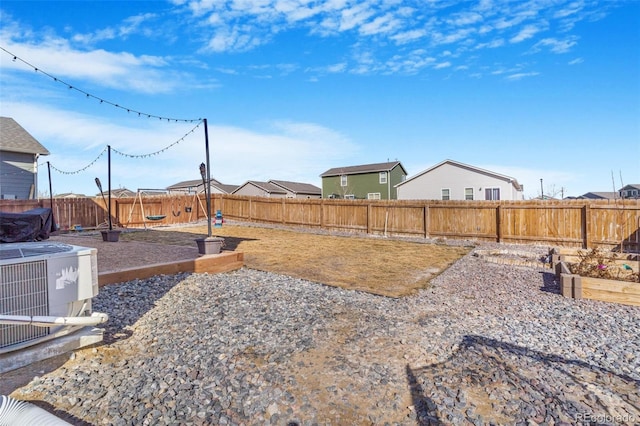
[{"x": 86, "y": 336}]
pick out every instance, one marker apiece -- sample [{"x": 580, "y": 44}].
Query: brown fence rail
[{"x": 574, "y": 223}]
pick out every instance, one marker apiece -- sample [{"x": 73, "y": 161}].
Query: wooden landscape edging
[{"x": 213, "y": 264}]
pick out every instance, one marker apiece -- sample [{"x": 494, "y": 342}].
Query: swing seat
[{"x": 156, "y": 217}]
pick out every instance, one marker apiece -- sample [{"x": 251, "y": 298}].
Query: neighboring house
[
  {"x": 298, "y": 189},
  {"x": 598, "y": 196},
  {"x": 630, "y": 191},
  {"x": 260, "y": 189},
  {"x": 19, "y": 152},
  {"x": 69, "y": 195},
  {"x": 117, "y": 193},
  {"x": 369, "y": 181},
  {"x": 197, "y": 187},
  {"x": 451, "y": 180}
]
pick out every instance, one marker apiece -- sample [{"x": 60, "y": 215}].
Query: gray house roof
[
  {"x": 599, "y": 195},
  {"x": 14, "y": 138},
  {"x": 197, "y": 183},
  {"x": 264, "y": 186},
  {"x": 365, "y": 168},
  {"x": 226, "y": 188},
  {"x": 190, "y": 184},
  {"x": 297, "y": 187},
  {"x": 118, "y": 193},
  {"x": 509, "y": 179}
]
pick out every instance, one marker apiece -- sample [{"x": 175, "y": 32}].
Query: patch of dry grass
[{"x": 387, "y": 267}]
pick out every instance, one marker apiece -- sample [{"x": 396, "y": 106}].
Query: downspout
[{"x": 16, "y": 412}]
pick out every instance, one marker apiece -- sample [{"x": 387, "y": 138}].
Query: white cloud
[
  {"x": 525, "y": 33},
  {"x": 555, "y": 45},
  {"x": 442, "y": 65},
  {"x": 409, "y": 36},
  {"x": 337, "y": 68},
  {"x": 381, "y": 24},
  {"x": 131, "y": 25},
  {"x": 576, "y": 61},
  {"x": 120, "y": 70},
  {"x": 284, "y": 150},
  {"x": 465, "y": 18},
  {"x": 521, "y": 75}
]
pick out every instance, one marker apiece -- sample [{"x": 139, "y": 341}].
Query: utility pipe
[{"x": 45, "y": 321}]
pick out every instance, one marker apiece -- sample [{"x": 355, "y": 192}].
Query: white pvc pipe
[
  {"x": 16, "y": 412},
  {"x": 44, "y": 321}
]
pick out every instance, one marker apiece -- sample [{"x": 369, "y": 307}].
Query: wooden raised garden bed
[{"x": 597, "y": 275}]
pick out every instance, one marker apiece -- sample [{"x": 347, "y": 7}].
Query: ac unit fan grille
[
  {"x": 14, "y": 251},
  {"x": 23, "y": 291}
]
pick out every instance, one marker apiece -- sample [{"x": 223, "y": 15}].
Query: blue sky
[{"x": 544, "y": 89}]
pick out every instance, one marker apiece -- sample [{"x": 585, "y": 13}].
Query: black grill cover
[{"x": 32, "y": 225}]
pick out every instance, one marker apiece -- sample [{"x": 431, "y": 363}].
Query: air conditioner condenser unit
[{"x": 46, "y": 290}]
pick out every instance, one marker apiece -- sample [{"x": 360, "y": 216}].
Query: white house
[{"x": 451, "y": 180}]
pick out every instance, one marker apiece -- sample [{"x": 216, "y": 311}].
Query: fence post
[
  {"x": 499, "y": 223},
  {"x": 284, "y": 209},
  {"x": 586, "y": 222},
  {"x": 426, "y": 220},
  {"x": 322, "y": 213},
  {"x": 369, "y": 226}
]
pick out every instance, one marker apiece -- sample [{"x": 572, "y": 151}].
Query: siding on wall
[
  {"x": 252, "y": 190},
  {"x": 429, "y": 185},
  {"x": 17, "y": 174},
  {"x": 360, "y": 185}
]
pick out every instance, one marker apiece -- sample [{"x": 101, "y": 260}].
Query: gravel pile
[{"x": 488, "y": 343}]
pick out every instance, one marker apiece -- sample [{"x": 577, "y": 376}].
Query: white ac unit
[{"x": 45, "y": 292}]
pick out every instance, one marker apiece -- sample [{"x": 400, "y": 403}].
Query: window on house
[
  {"x": 343, "y": 180},
  {"x": 445, "y": 194},
  {"x": 468, "y": 193},
  {"x": 492, "y": 193},
  {"x": 349, "y": 197},
  {"x": 383, "y": 177},
  {"x": 373, "y": 196}
]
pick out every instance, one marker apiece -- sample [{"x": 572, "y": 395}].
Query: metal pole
[
  {"x": 53, "y": 219},
  {"x": 109, "y": 184},
  {"x": 541, "y": 190},
  {"x": 207, "y": 189}
]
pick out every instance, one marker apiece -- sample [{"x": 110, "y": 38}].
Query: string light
[
  {"x": 151, "y": 154},
  {"x": 75, "y": 172},
  {"x": 160, "y": 151},
  {"x": 89, "y": 95}
]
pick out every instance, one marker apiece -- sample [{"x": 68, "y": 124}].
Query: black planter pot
[{"x": 111, "y": 235}]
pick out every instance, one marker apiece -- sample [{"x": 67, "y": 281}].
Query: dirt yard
[{"x": 384, "y": 266}]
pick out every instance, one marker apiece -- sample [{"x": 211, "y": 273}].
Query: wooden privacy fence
[{"x": 574, "y": 223}]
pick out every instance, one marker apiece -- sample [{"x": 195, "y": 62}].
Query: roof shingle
[{"x": 14, "y": 138}]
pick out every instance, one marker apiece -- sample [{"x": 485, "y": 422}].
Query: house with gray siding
[
  {"x": 197, "y": 187},
  {"x": 368, "y": 181},
  {"x": 19, "y": 153},
  {"x": 298, "y": 189},
  {"x": 452, "y": 180},
  {"x": 260, "y": 189},
  {"x": 630, "y": 191}
]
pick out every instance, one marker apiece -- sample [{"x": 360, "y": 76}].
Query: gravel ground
[{"x": 488, "y": 343}]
